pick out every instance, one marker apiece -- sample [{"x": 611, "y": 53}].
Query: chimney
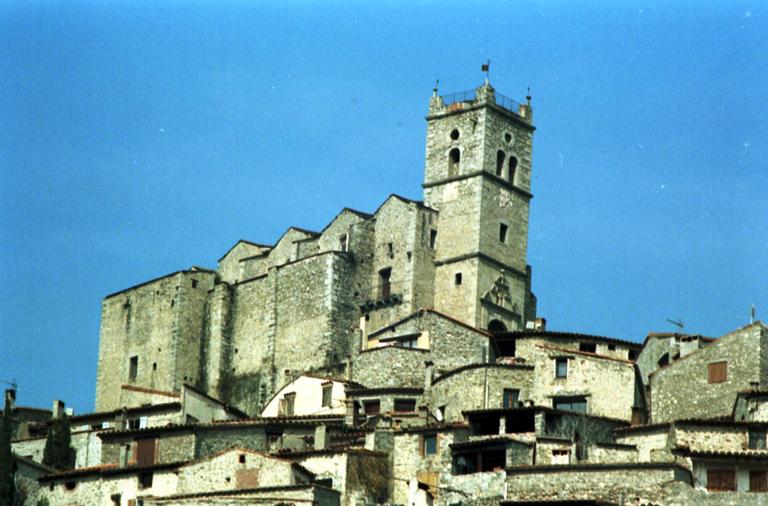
[
  {"x": 349, "y": 368},
  {"x": 321, "y": 433},
  {"x": 10, "y": 398},
  {"x": 428, "y": 372},
  {"x": 58, "y": 409},
  {"x": 351, "y": 417},
  {"x": 540, "y": 324}
]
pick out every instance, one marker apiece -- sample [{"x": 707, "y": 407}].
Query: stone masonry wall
[{"x": 681, "y": 390}]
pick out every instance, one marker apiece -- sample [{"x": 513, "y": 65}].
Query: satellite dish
[{"x": 437, "y": 414}]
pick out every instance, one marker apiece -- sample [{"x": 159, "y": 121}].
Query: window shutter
[
  {"x": 145, "y": 452},
  {"x": 721, "y": 480},
  {"x": 758, "y": 481},
  {"x": 717, "y": 372}
]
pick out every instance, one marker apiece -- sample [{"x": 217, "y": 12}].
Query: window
[
  {"x": 327, "y": 392},
  {"x": 454, "y": 161},
  {"x": 500, "y": 156},
  {"x": 561, "y": 368},
  {"x": 511, "y": 397},
  {"x": 115, "y": 499},
  {"x": 194, "y": 283},
  {"x": 503, "y": 232},
  {"x": 428, "y": 444},
  {"x": 454, "y": 134},
  {"x": 371, "y": 408},
  {"x": 757, "y": 439},
  {"x": 241, "y": 458},
  {"x": 145, "y": 452},
  {"x": 133, "y": 368},
  {"x": 457, "y": 279},
  {"x": 575, "y": 404},
  {"x": 663, "y": 360},
  {"x": 717, "y": 372},
  {"x": 722, "y": 480},
  {"x": 512, "y": 169},
  {"x": 290, "y": 403},
  {"x": 496, "y": 327},
  {"x": 343, "y": 242},
  {"x": 611, "y": 347},
  {"x": 758, "y": 480},
  {"x": 385, "y": 288},
  {"x": 588, "y": 347},
  {"x": 134, "y": 424},
  {"x": 632, "y": 354},
  {"x": 405, "y": 405},
  {"x": 145, "y": 480},
  {"x": 432, "y": 238},
  {"x": 70, "y": 485}
]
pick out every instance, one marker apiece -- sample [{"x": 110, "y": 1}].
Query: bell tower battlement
[{"x": 478, "y": 176}]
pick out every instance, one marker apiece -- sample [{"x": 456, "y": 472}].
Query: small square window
[
  {"x": 561, "y": 368},
  {"x": 241, "y": 458},
  {"x": 429, "y": 444},
  {"x": 145, "y": 480},
  {"x": 372, "y": 407},
  {"x": 405, "y": 405},
  {"x": 588, "y": 347},
  {"x": 457, "y": 279},
  {"x": 717, "y": 372},
  {"x": 758, "y": 480},
  {"x": 194, "y": 283},
  {"x": 503, "y": 232},
  {"x": 511, "y": 397},
  {"x": 757, "y": 439}
]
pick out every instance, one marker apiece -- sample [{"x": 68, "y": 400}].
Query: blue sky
[{"x": 140, "y": 138}]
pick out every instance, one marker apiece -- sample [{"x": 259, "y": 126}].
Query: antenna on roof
[
  {"x": 679, "y": 323},
  {"x": 752, "y": 315}
]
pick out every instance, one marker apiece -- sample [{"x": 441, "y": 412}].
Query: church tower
[{"x": 478, "y": 176}]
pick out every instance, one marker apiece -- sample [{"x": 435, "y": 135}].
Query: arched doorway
[{"x": 496, "y": 327}]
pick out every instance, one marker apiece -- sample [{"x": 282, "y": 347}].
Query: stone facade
[{"x": 313, "y": 298}]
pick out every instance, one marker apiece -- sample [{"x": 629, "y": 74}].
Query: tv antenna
[{"x": 677, "y": 323}]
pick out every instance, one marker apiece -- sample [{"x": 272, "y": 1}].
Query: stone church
[{"x": 310, "y": 301}]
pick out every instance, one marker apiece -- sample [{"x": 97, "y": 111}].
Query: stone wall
[
  {"x": 682, "y": 390},
  {"x": 652, "y": 443},
  {"x": 465, "y": 388},
  {"x": 708, "y": 436},
  {"x": 390, "y": 366}
]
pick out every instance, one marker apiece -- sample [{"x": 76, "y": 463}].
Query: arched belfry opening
[
  {"x": 500, "y": 156},
  {"x": 512, "y": 168},
  {"x": 496, "y": 327},
  {"x": 454, "y": 161}
]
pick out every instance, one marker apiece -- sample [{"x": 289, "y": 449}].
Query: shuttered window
[
  {"x": 758, "y": 481},
  {"x": 145, "y": 452},
  {"x": 717, "y": 372},
  {"x": 721, "y": 480}
]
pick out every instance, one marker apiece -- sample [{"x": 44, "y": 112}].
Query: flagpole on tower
[{"x": 486, "y": 67}]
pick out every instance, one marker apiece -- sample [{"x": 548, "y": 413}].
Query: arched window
[
  {"x": 500, "y": 156},
  {"x": 496, "y": 327},
  {"x": 454, "y": 160},
  {"x": 664, "y": 360},
  {"x": 512, "y": 168},
  {"x": 454, "y": 134}
]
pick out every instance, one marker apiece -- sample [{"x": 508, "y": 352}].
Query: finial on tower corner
[
  {"x": 528, "y": 96},
  {"x": 437, "y": 85}
]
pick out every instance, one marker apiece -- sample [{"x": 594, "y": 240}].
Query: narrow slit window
[
  {"x": 457, "y": 279},
  {"x": 512, "y": 169},
  {"x": 432, "y": 238},
  {"x": 503, "y": 232},
  {"x": 133, "y": 368},
  {"x": 385, "y": 286},
  {"x": 561, "y": 368},
  {"x": 500, "y": 156}
]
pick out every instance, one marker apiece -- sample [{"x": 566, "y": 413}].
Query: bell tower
[{"x": 478, "y": 176}]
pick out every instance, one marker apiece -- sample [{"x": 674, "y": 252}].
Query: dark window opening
[
  {"x": 512, "y": 169},
  {"x": 500, "y": 156},
  {"x": 561, "y": 368},
  {"x": 134, "y": 424},
  {"x": 492, "y": 459},
  {"x": 324, "y": 482},
  {"x": 343, "y": 243},
  {"x": 457, "y": 279},
  {"x": 612, "y": 347},
  {"x": 241, "y": 458},
  {"x": 116, "y": 499},
  {"x": 588, "y": 347},
  {"x": 723, "y": 480},
  {"x": 757, "y": 439},
  {"x": 385, "y": 288},
  {"x": 575, "y": 404},
  {"x": 194, "y": 283},
  {"x": 454, "y": 161},
  {"x": 508, "y": 137},
  {"x": 717, "y": 372},
  {"x": 133, "y": 368},
  {"x": 432, "y": 238},
  {"x": 485, "y": 425},
  {"x": 511, "y": 397},
  {"x": 429, "y": 444},
  {"x": 145, "y": 480},
  {"x": 506, "y": 347},
  {"x": 154, "y": 366},
  {"x": 405, "y": 405},
  {"x": 496, "y": 327},
  {"x": 664, "y": 360},
  {"x": 632, "y": 354},
  {"x": 327, "y": 393},
  {"x": 70, "y": 485},
  {"x": 520, "y": 422},
  {"x": 454, "y": 134},
  {"x": 371, "y": 408},
  {"x": 758, "y": 480},
  {"x": 503, "y": 232}
]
